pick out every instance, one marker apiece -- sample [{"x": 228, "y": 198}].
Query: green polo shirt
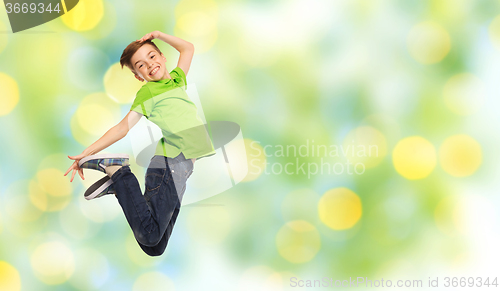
[{"x": 167, "y": 105}]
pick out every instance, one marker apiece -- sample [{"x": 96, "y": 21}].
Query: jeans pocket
[{"x": 154, "y": 179}]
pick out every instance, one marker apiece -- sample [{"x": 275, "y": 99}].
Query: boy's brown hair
[{"x": 130, "y": 50}]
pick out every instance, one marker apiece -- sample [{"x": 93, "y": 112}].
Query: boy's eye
[
  {"x": 152, "y": 56},
  {"x": 140, "y": 66}
]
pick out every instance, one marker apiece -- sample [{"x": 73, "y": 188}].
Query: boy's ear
[{"x": 139, "y": 78}]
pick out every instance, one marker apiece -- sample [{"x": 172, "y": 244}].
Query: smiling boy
[{"x": 163, "y": 100}]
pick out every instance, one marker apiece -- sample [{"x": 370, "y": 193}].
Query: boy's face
[{"x": 149, "y": 64}]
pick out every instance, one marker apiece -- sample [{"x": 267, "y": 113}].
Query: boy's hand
[
  {"x": 75, "y": 167},
  {"x": 151, "y": 35}
]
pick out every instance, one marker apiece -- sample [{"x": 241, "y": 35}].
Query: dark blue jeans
[{"x": 152, "y": 216}]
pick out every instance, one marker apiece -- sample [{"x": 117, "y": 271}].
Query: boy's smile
[{"x": 149, "y": 64}]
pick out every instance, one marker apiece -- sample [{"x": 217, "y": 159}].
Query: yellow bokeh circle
[
  {"x": 414, "y": 157},
  {"x": 428, "y": 42},
  {"x": 53, "y": 262},
  {"x": 120, "y": 84},
  {"x": 460, "y": 155},
  {"x": 9, "y": 277},
  {"x": 85, "y": 16},
  {"x": 200, "y": 28},
  {"x": 9, "y": 94},
  {"x": 464, "y": 94},
  {"x": 50, "y": 191},
  {"x": 96, "y": 114},
  {"x": 365, "y": 145},
  {"x": 54, "y": 183},
  {"x": 44, "y": 201},
  {"x": 153, "y": 281},
  {"x": 87, "y": 113},
  {"x": 340, "y": 208},
  {"x": 197, "y": 21},
  {"x": 106, "y": 24},
  {"x": 298, "y": 241},
  {"x": 186, "y": 6}
]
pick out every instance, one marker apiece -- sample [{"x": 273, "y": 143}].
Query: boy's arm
[
  {"x": 113, "y": 135},
  {"x": 185, "y": 48}
]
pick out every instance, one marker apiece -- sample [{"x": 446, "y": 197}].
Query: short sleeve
[
  {"x": 179, "y": 77},
  {"x": 143, "y": 102}
]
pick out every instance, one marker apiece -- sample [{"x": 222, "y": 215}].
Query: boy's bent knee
[
  {"x": 149, "y": 240},
  {"x": 154, "y": 254},
  {"x": 153, "y": 251}
]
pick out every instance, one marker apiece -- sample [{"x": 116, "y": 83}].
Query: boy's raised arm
[{"x": 185, "y": 48}]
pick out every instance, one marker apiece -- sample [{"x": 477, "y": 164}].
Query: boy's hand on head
[
  {"x": 75, "y": 168},
  {"x": 151, "y": 35}
]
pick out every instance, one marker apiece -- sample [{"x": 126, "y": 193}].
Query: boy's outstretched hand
[
  {"x": 151, "y": 35},
  {"x": 75, "y": 167}
]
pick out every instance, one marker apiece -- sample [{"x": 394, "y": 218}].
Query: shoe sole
[
  {"x": 98, "y": 187},
  {"x": 102, "y": 156}
]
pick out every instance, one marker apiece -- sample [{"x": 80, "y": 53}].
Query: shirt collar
[
  {"x": 164, "y": 81},
  {"x": 169, "y": 81}
]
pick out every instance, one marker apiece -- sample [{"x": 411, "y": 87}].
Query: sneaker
[
  {"x": 100, "y": 188},
  {"x": 101, "y": 161}
]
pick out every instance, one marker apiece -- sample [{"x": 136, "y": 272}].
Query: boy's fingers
[
  {"x": 71, "y": 167},
  {"x": 81, "y": 174},
  {"x": 72, "y": 176},
  {"x": 147, "y": 36}
]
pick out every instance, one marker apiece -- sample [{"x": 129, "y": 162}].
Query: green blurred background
[{"x": 415, "y": 78}]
